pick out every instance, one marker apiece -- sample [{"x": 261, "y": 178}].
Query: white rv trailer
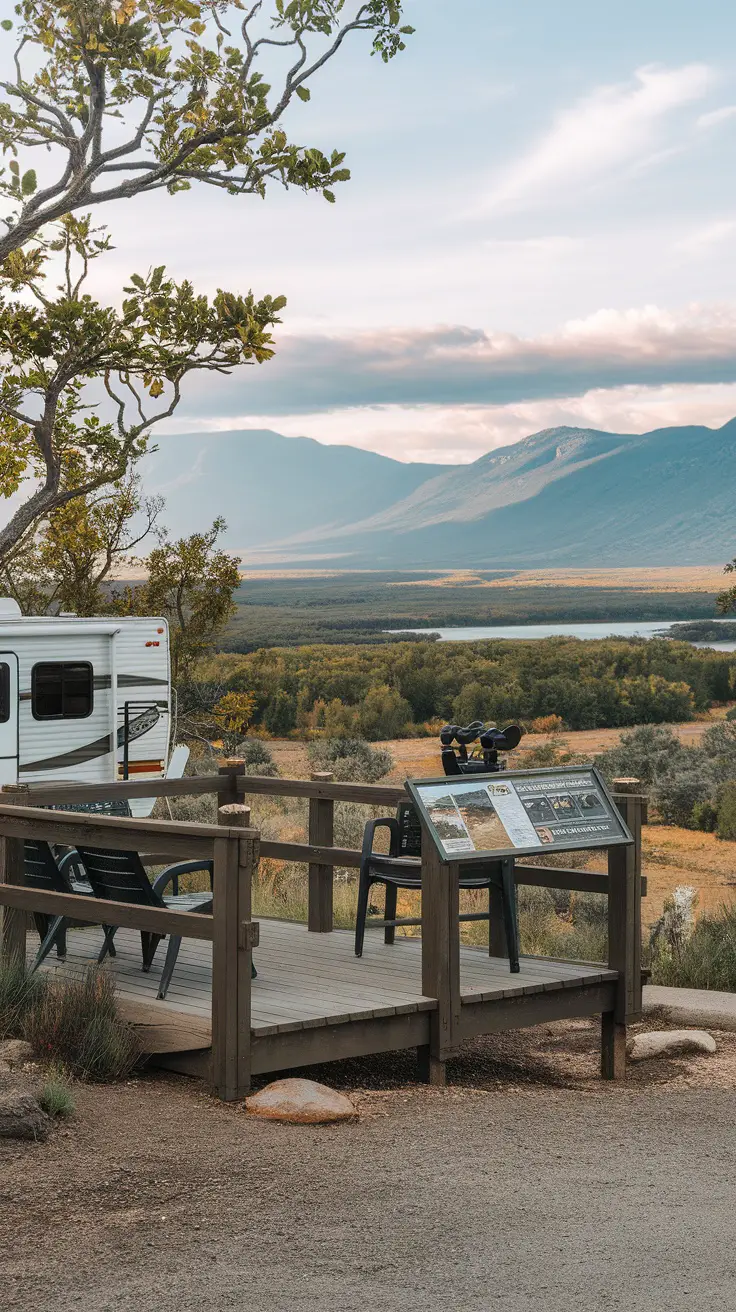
[{"x": 83, "y": 700}]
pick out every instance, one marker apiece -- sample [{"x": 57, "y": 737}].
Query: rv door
[{"x": 8, "y": 718}]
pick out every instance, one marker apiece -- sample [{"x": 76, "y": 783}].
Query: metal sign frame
[{"x": 561, "y": 773}]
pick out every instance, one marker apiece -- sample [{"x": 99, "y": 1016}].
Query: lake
[{"x": 624, "y": 629}]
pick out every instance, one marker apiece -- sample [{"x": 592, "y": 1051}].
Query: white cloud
[
  {"x": 455, "y": 434},
  {"x": 702, "y": 239},
  {"x": 612, "y": 127},
  {"x": 716, "y": 116}
]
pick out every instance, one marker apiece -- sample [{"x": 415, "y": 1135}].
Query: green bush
[
  {"x": 677, "y": 793},
  {"x": 705, "y": 960},
  {"x": 726, "y": 811},
  {"x": 350, "y": 760},
  {"x": 257, "y": 756},
  {"x": 705, "y": 816},
  {"x": 56, "y": 1100},
  {"x": 719, "y": 745},
  {"x": 645, "y": 753},
  {"x": 383, "y": 713},
  {"x": 76, "y": 1024}
]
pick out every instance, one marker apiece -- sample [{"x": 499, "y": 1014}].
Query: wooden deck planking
[{"x": 308, "y": 980}]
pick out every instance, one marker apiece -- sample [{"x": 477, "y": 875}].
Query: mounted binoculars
[{"x": 456, "y": 740}]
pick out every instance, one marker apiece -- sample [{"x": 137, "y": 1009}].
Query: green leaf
[
  {"x": 29, "y": 182},
  {"x": 304, "y": 93},
  {"x": 330, "y": 196},
  {"x": 6, "y": 25}
]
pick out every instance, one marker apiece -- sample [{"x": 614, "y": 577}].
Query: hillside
[
  {"x": 269, "y": 487},
  {"x": 564, "y": 496}
]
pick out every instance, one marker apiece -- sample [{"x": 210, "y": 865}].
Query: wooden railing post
[
  {"x": 234, "y": 937},
  {"x": 624, "y": 935},
  {"x": 632, "y": 804},
  {"x": 227, "y": 793},
  {"x": 12, "y": 854},
  {"x": 440, "y": 959},
  {"x": 497, "y": 944},
  {"x": 321, "y": 833}
]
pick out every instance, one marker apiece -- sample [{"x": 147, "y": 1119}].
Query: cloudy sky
[{"x": 540, "y": 229}]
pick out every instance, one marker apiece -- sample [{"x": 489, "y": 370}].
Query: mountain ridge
[{"x": 565, "y": 495}]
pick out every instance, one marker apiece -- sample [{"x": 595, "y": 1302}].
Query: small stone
[
  {"x": 302, "y": 1102},
  {"x": 21, "y": 1117},
  {"x": 669, "y": 1043},
  {"x": 16, "y": 1052}
]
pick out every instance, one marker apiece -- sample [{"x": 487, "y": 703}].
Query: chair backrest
[
  {"x": 410, "y": 830},
  {"x": 118, "y": 876},
  {"x": 41, "y": 870}
]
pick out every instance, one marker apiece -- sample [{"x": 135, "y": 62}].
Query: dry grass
[{"x": 676, "y": 578}]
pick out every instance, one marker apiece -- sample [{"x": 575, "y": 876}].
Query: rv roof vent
[{"x": 8, "y": 608}]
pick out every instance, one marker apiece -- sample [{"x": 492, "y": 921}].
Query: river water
[{"x": 624, "y": 629}]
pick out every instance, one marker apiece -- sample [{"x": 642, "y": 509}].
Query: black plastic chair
[
  {"x": 402, "y": 868},
  {"x": 51, "y": 874},
  {"x": 121, "y": 877}
]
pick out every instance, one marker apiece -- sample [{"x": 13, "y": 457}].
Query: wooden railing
[{"x": 235, "y": 849}]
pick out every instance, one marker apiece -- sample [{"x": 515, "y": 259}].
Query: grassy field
[
  {"x": 284, "y": 608},
  {"x": 672, "y": 856}
]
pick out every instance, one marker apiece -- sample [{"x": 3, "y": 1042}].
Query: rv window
[
  {"x": 61, "y": 690},
  {"x": 4, "y": 692}
]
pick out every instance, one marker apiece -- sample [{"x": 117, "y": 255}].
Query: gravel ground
[{"x": 526, "y": 1185}]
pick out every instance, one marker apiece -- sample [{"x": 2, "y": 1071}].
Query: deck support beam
[
  {"x": 234, "y": 934},
  {"x": 440, "y": 959}
]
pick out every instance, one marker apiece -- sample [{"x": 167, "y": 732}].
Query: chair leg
[
  {"x": 108, "y": 947},
  {"x": 389, "y": 933},
  {"x": 149, "y": 943},
  {"x": 172, "y": 952},
  {"x": 510, "y": 918},
  {"x": 364, "y": 888},
  {"x": 56, "y": 930}
]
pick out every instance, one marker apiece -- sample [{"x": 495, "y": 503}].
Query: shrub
[
  {"x": 547, "y": 724},
  {"x": 383, "y": 713},
  {"x": 76, "y": 1023},
  {"x": 56, "y": 1100},
  {"x": 719, "y": 746},
  {"x": 645, "y": 753},
  {"x": 19, "y": 993},
  {"x": 340, "y": 721},
  {"x": 257, "y": 756},
  {"x": 705, "y": 816},
  {"x": 350, "y": 759},
  {"x": 678, "y": 793},
  {"x": 280, "y": 714},
  {"x": 726, "y": 811},
  {"x": 705, "y": 960}
]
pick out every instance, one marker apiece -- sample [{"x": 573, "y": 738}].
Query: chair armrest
[
  {"x": 171, "y": 874},
  {"x": 387, "y": 822}
]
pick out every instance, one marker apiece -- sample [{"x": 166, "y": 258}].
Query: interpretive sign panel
[{"x": 518, "y": 812}]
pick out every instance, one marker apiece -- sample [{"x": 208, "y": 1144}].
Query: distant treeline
[
  {"x": 351, "y": 607},
  {"x": 390, "y": 690}
]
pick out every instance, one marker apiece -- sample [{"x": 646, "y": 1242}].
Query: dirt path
[{"x": 526, "y": 1185}]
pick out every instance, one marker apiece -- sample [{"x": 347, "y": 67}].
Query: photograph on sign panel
[
  {"x": 539, "y": 810},
  {"x": 590, "y": 804},
  {"x": 448, "y": 823},
  {"x": 482, "y": 820},
  {"x": 564, "y": 806}
]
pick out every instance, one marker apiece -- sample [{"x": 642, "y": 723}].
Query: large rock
[
  {"x": 21, "y": 1117},
  {"x": 15, "y": 1052},
  {"x": 669, "y": 1043},
  {"x": 303, "y": 1102}
]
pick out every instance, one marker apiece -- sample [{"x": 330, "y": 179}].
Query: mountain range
[{"x": 566, "y": 496}]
